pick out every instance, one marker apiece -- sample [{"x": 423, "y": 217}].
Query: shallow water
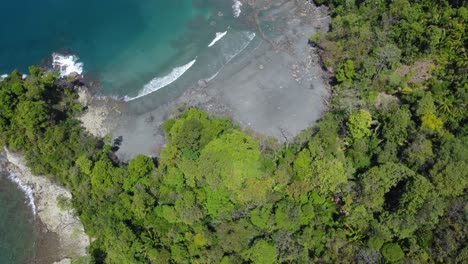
[
  {"x": 131, "y": 48},
  {"x": 18, "y": 230}
]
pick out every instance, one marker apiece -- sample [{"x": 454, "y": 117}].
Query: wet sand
[
  {"x": 276, "y": 87},
  {"x": 47, "y": 247}
]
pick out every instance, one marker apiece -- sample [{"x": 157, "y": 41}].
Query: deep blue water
[{"x": 123, "y": 44}]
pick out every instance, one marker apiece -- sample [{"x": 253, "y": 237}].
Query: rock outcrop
[{"x": 63, "y": 222}]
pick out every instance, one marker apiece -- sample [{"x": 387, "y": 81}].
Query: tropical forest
[{"x": 381, "y": 178}]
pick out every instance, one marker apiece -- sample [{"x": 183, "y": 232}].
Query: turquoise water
[
  {"x": 151, "y": 50},
  {"x": 130, "y": 48},
  {"x": 17, "y": 227}
]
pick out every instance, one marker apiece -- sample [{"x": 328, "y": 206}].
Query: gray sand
[{"x": 276, "y": 87}]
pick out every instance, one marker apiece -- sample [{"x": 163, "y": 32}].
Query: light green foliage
[
  {"x": 262, "y": 252},
  {"x": 340, "y": 193},
  {"x": 227, "y": 163},
  {"x": 426, "y": 105},
  {"x": 287, "y": 216},
  {"x": 360, "y": 217},
  {"x": 217, "y": 203},
  {"x": 330, "y": 174},
  {"x": 315, "y": 38},
  {"x": 302, "y": 165},
  {"x": 256, "y": 190},
  {"x": 260, "y": 217},
  {"x": 392, "y": 252},
  {"x": 359, "y": 124},
  {"x": 187, "y": 208},
  {"x": 168, "y": 213},
  {"x": 179, "y": 254},
  {"x": 375, "y": 243},
  {"x": 84, "y": 164},
  {"x": 174, "y": 178},
  {"x": 452, "y": 180},
  {"x": 345, "y": 71},
  {"x": 432, "y": 122}
]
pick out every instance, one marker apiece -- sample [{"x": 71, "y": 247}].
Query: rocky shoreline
[{"x": 62, "y": 236}]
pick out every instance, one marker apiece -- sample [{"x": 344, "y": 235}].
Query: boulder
[{"x": 84, "y": 97}]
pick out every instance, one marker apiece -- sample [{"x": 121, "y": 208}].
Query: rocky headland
[{"x": 64, "y": 233}]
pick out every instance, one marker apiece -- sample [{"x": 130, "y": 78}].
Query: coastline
[
  {"x": 61, "y": 234},
  {"x": 275, "y": 88},
  {"x": 255, "y": 90}
]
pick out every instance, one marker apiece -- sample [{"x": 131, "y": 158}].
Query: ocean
[
  {"x": 18, "y": 229},
  {"x": 144, "y": 52},
  {"x": 129, "y": 49}
]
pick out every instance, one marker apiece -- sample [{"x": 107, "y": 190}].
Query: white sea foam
[
  {"x": 160, "y": 82},
  {"x": 230, "y": 56},
  {"x": 250, "y": 36},
  {"x": 219, "y": 35},
  {"x": 26, "y": 189},
  {"x": 236, "y": 8},
  {"x": 24, "y": 76},
  {"x": 66, "y": 64},
  {"x": 3, "y": 76},
  {"x": 212, "y": 77}
]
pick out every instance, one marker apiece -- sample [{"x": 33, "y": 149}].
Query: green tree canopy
[{"x": 359, "y": 124}]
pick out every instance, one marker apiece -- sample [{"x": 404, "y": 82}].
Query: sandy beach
[{"x": 276, "y": 87}]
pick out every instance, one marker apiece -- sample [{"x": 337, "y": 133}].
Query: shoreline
[
  {"x": 274, "y": 90},
  {"x": 249, "y": 91},
  {"x": 61, "y": 236}
]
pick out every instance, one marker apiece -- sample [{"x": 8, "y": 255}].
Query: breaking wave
[
  {"x": 231, "y": 55},
  {"x": 66, "y": 64},
  {"x": 26, "y": 189},
  {"x": 219, "y": 35},
  {"x": 236, "y": 8},
  {"x": 160, "y": 82}
]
